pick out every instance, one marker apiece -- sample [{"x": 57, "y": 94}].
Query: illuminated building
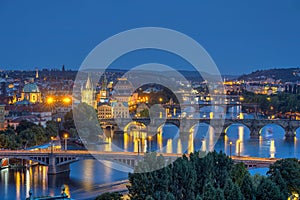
[
  {"x": 31, "y": 93},
  {"x": 102, "y": 97},
  {"x": 104, "y": 112},
  {"x": 88, "y": 93},
  {"x": 120, "y": 110},
  {"x": 123, "y": 90}
]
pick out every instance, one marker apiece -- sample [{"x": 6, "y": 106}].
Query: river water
[{"x": 86, "y": 177}]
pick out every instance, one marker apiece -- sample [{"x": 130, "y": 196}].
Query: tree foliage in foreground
[
  {"x": 110, "y": 196},
  {"x": 214, "y": 176}
]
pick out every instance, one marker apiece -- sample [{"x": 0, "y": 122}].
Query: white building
[{"x": 120, "y": 110}]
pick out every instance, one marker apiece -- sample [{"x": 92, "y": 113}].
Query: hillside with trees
[{"x": 284, "y": 75}]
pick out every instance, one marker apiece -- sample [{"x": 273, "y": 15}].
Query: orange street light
[
  {"x": 50, "y": 100},
  {"x": 52, "y": 138},
  {"x": 67, "y": 100},
  {"x": 66, "y": 137}
]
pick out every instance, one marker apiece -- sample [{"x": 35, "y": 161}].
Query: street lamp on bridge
[
  {"x": 66, "y": 138},
  {"x": 52, "y": 138}
]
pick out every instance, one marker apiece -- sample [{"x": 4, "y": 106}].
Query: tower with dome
[{"x": 31, "y": 93}]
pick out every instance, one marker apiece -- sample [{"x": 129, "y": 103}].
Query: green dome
[{"x": 31, "y": 88}]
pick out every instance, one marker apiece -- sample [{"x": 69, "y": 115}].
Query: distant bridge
[
  {"x": 59, "y": 161},
  {"x": 187, "y": 124}
]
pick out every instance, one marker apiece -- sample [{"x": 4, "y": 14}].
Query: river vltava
[{"x": 87, "y": 177}]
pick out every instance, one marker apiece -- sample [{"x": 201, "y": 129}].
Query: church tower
[
  {"x": 103, "y": 95},
  {"x": 88, "y": 93},
  {"x": 36, "y": 73}
]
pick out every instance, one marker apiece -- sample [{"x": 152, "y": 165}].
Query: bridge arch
[
  {"x": 174, "y": 133},
  {"x": 159, "y": 128},
  {"x": 199, "y": 126},
  {"x": 272, "y": 131},
  {"x": 237, "y": 130},
  {"x": 133, "y": 125}
]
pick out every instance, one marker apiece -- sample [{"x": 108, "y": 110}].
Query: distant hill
[{"x": 285, "y": 75}]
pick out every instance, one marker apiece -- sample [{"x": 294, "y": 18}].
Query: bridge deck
[{"x": 108, "y": 154}]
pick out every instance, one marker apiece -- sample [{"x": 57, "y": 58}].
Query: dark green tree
[
  {"x": 232, "y": 191},
  {"x": 198, "y": 197},
  {"x": 69, "y": 120},
  {"x": 238, "y": 172},
  {"x": 279, "y": 181},
  {"x": 289, "y": 169},
  {"x": 256, "y": 179},
  {"x": 51, "y": 129},
  {"x": 247, "y": 188},
  {"x": 183, "y": 180},
  {"x": 209, "y": 192},
  {"x": 147, "y": 181},
  {"x": 23, "y": 125},
  {"x": 267, "y": 190},
  {"x": 110, "y": 196},
  {"x": 219, "y": 194}
]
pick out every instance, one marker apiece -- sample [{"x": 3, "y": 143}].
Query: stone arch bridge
[{"x": 255, "y": 125}]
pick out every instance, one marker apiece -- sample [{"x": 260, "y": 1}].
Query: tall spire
[
  {"x": 104, "y": 83},
  {"x": 88, "y": 84},
  {"x": 36, "y": 73}
]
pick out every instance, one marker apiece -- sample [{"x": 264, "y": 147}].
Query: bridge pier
[
  {"x": 54, "y": 168},
  {"x": 290, "y": 132}
]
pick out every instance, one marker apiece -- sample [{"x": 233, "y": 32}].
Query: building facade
[
  {"x": 105, "y": 112},
  {"x": 31, "y": 93},
  {"x": 120, "y": 110},
  {"x": 88, "y": 93}
]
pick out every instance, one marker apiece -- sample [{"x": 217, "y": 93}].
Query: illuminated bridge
[
  {"x": 187, "y": 124},
  {"x": 59, "y": 161}
]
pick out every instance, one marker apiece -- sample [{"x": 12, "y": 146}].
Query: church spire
[
  {"x": 36, "y": 73},
  {"x": 88, "y": 84}
]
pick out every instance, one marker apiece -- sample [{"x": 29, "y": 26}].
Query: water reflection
[
  {"x": 202, "y": 137},
  {"x": 18, "y": 184},
  {"x": 86, "y": 176},
  {"x": 272, "y": 149}
]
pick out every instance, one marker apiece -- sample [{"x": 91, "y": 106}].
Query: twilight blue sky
[{"x": 241, "y": 36}]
